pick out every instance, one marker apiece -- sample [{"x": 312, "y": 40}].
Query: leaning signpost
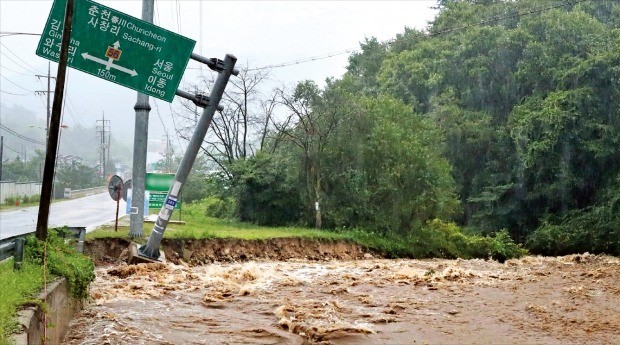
[
  {"x": 151, "y": 249},
  {"x": 139, "y": 55},
  {"x": 119, "y": 48}
]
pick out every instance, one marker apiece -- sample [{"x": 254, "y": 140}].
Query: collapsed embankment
[{"x": 198, "y": 252}]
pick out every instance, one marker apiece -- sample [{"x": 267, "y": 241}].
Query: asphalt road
[{"x": 89, "y": 211}]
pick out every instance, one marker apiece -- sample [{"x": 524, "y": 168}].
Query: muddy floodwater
[{"x": 534, "y": 300}]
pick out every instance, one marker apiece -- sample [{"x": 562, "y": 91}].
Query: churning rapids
[{"x": 534, "y": 300}]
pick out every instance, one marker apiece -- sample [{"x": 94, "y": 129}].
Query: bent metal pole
[{"x": 151, "y": 248}]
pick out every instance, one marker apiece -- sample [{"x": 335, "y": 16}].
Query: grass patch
[
  {"x": 4, "y": 207},
  {"x": 436, "y": 240},
  {"x": 200, "y": 227},
  {"x": 18, "y": 287}
]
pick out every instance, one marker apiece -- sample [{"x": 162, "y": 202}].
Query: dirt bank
[
  {"x": 534, "y": 300},
  {"x": 198, "y": 252}
]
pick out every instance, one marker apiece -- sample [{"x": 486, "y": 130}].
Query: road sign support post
[
  {"x": 151, "y": 249},
  {"x": 125, "y": 50},
  {"x": 141, "y": 133},
  {"x": 54, "y": 129}
]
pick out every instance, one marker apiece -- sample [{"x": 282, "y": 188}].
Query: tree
[
  {"x": 309, "y": 125},
  {"x": 76, "y": 175},
  {"x": 266, "y": 190},
  {"x": 241, "y": 129},
  {"x": 21, "y": 170},
  {"x": 386, "y": 169}
]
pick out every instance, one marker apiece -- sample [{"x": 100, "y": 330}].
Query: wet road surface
[{"x": 89, "y": 211}]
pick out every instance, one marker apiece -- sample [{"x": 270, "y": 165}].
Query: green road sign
[
  {"x": 119, "y": 48},
  {"x": 158, "y": 182},
  {"x": 156, "y": 200}
]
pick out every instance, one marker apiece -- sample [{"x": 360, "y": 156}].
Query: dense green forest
[{"x": 501, "y": 116}]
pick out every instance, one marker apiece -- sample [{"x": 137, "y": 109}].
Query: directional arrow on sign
[
  {"x": 131, "y": 72},
  {"x": 93, "y": 48}
]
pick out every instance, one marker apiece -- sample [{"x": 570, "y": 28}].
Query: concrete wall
[
  {"x": 60, "y": 307},
  {"x": 18, "y": 188}
]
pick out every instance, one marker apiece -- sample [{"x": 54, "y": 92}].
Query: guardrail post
[
  {"x": 18, "y": 256},
  {"x": 81, "y": 238}
]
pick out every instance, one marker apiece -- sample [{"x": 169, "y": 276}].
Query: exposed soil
[
  {"x": 198, "y": 252},
  {"x": 535, "y": 300}
]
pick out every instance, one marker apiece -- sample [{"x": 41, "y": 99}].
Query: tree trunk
[
  {"x": 314, "y": 189},
  {"x": 318, "y": 221}
]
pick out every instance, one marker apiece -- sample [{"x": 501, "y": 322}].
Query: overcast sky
[{"x": 259, "y": 33}]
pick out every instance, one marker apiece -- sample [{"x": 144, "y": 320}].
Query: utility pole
[
  {"x": 103, "y": 131},
  {"x": 54, "y": 128},
  {"x": 140, "y": 141},
  {"x": 48, "y": 92}
]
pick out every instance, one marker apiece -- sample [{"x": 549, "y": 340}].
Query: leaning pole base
[{"x": 135, "y": 258}]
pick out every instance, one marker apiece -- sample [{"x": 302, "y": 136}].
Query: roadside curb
[{"x": 61, "y": 307}]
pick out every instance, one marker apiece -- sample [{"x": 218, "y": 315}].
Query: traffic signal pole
[{"x": 151, "y": 249}]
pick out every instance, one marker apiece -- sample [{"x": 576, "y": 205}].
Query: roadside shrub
[
  {"x": 10, "y": 200},
  {"x": 596, "y": 230},
  {"x": 25, "y": 199},
  {"x": 223, "y": 208},
  {"x": 448, "y": 240},
  {"x": 440, "y": 239},
  {"x": 212, "y": 206},
  {"x": 62, "y": 261}
]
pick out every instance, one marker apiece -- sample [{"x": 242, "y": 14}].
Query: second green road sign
[{"x": 119, "y": 48}]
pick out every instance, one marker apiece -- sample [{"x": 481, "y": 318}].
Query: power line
[
  {"x": 432, "y": 34},
  {"x": 510, "y": 16},
  {"x": 8, "y": 33},
  {"x": 308, "y": 59},
  {"x": 178, "y": 3},
  {"x": 10, "y": 51},
  {"x": 77, "y": 116},
  {"x": 12, "y": 149},
  {"x": 157, "y": 12},
  {"x": 16, "y": 94},
  {"x": 14, "y": 71},
  {"x": 42, "y": 101},
  {"x": 176, "y": 131},
  {"x": 159, "y": 115},
  {"x": 15, "y": 62},
  {"x": 21, "y": 136},
  {"x": 7, "y": 79}
]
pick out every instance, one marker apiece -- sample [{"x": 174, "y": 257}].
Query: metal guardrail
[
  {"x": 87, "y": 191},
  {"x": 14, "y": 246}
]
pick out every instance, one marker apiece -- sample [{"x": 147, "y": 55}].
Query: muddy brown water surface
[{"x": 534, "y": 300}]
